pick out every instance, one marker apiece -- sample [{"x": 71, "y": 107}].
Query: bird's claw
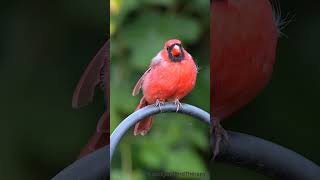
[
  {"x": 221, "y": 135},
  {"x": 159, "y": 104},
  {"x": 178, "y": 104}
]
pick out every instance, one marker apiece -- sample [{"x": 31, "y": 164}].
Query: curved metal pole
[
  {"x": 242, "y": 150},
  {"x": 93, "y": 166},
  {"x": 132, "y": 119},
  {"x": 266, "y": 157}
]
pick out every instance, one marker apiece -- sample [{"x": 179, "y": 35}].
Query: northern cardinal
[
  {"x": 243, "y": 42},
  {"x": 171, "y": 76},
  {"x": 95, "y": 74}
]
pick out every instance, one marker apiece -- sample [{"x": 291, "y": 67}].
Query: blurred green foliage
[{"x": 139, "y": 30}]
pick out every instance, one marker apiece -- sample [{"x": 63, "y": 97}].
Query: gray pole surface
[{"x": 147, "y": 111}]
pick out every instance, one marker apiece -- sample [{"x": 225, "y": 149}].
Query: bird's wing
[
  {"x": 92, "y": 76},
  {"x": 155, "y": 61}
]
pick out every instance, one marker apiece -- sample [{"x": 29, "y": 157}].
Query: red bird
[
  {"x": 171, "y": 76},
  {"x": 243, "y": 41},
  {"x": 96, "y": 73}
]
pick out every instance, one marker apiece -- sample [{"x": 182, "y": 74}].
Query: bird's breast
[
  {"x": 169, "y": 80},
  {"x": 243, "y": 41}
]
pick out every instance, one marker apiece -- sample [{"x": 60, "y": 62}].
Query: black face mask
[{"x": 175, "y": 58}]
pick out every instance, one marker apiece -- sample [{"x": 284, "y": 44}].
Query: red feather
[
  {"x": 91, "y": 77},
  {"x": 84, "y": 93},
  {"x": 167, "y": 79},
  {"x": 244, "y": 39}
]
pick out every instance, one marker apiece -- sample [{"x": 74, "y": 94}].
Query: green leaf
[
  {"x": 146, "y": 36},
  {"x": 160, "y": 2},
  {"x": 184, "y": 160}
]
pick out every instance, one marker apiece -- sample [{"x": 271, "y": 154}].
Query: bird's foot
[
  {"x": 159, "y": 103},
  {"x": 178, "y": 104},
  {"x": 221, "y": 135}
]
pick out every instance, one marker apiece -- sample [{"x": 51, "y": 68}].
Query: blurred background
[
  {"x": 45, "y": 48},
  {"x": 287, "y": 111},
  {"x": 139, "y": 30}
]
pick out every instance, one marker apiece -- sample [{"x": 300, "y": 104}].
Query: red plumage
[
  {"x": 243, "y": 42},
  {"x": 96, "y": 73},
  {"x": 171, "y": 76}
]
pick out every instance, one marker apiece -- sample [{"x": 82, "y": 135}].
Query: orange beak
[{"x": 176, "y": 50}]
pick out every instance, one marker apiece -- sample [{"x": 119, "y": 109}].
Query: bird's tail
[
  {"x": 143, "y": 126},
  {"x": 100, "y": 138}
]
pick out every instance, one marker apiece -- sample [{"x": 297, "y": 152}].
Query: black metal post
[{"x": 266, "y": 158}]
